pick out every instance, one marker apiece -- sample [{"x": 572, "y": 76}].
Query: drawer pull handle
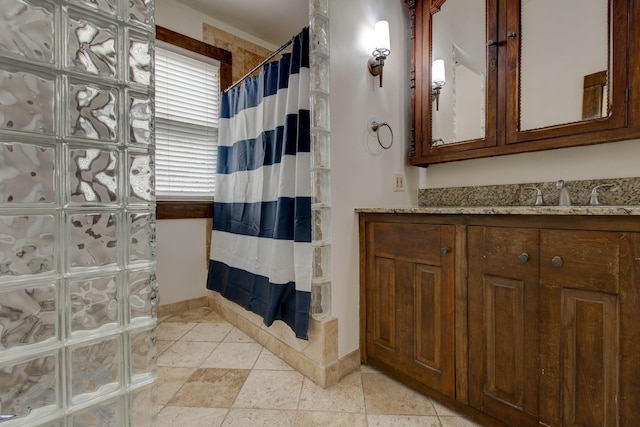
[
  {"x": 523, "y": 257},
  {"x": 444, "y": 250},
  {"x": 557, "y": 261}
]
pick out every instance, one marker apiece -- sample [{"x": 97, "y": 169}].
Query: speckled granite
[
  {"x": 509, "y": 210},
  {"x": 625, "y": 191}
]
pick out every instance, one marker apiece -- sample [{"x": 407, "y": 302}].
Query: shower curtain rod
[{"x": 267, "y": 59}]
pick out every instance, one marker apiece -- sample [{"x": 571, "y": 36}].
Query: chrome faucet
[
  {"x": 593, "y": 199},
  {"x": 539, "y": 200},
  {"x": 564, "y": 199}
]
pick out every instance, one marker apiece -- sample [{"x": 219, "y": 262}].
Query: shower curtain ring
[{"x": 375, "y": 126}]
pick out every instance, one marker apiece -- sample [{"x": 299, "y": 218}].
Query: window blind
[{"x": 186, "y": 108}]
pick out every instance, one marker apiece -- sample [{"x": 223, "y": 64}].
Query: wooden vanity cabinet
[
  {"x": 540, "y": 313},
  {"x": 408, "y": 301}
]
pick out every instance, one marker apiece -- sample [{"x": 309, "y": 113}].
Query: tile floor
[{"x": 212, "y": 374}]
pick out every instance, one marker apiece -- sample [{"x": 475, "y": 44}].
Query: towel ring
[{"x": 375, "y": 126}]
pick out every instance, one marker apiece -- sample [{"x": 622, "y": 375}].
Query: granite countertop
[{"x": 509, "y": 210}]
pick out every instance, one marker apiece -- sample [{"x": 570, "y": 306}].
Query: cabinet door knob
[
  {"x": 511, "y": 34},
  {"x": 557, "y": 261},
  {"x": 444, "y": 250},
  {"x": 523, "y": 257},
  {"x": 491, "y": 42}
]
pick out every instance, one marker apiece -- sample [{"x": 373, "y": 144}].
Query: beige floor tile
[
  {"x": 345, "y": 396},
  {"x": 172, "y": 331},
  {"x": 330, "y": 419},
  {"x": 270, "y": 361},
  {"x": 174, "y": 416},
  {"x": 210, "y": 388},
  {"x": 236, "y": 335},
  {"x": 403, "y": 421},
  {"x": 169, "y": 382},
  {"x": 208, "y": 332},
  {"x": 198, "y": 315},
  {"x": 384, "y": 395},
  {"x": 366, "y": 369},
  {"x": 162, "y": 345},
  {"x": 233, "y": 356},
  {"x": 443, "y": 410},
  {"x": 457, "y": 421},
  {"x": 186, "y": 354},
  {"x": 270, "y": 390},
  {"x": 259, "y": 417}
]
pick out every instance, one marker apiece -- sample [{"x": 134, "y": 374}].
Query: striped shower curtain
[{"x": 261, "y": 239}]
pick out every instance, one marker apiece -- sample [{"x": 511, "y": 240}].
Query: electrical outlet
[{"x": 398, "y": 182}]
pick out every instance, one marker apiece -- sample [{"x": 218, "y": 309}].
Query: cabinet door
[
  {"x": 503, "y": 323},
  {"x": 580, "y": 318},
  {"x": 551, "y": 68},
  {"x": 409, "y": 302}
]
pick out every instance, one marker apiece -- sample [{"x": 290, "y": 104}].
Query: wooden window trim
[
  {"x": 192, "y": 209},
  {"x": 183, "y": 210}
]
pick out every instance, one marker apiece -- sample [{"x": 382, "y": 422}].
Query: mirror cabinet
[{"x": 498, "y": 77}]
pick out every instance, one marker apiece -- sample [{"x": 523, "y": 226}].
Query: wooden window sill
[{"x": 184, "y": 210}]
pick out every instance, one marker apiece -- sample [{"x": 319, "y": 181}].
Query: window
[
  {"x": 189, "y": 75},
  {"x": 187, "y": 99}
]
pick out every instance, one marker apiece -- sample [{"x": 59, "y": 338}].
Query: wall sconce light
[
  {"x": 381, "y": 49},
  {"x": 437, "y": 80}
]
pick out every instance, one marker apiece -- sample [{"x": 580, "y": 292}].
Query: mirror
[
  {"x": 459, "y": 38},
  {"x": 563, "y": 73}
]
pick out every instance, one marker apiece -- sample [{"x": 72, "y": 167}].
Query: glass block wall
[
  {"x": 77, "y": 224},
  {"x": 320, "y": 162}
]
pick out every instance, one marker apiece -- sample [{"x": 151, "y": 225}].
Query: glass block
[
  {"x": 93, "y": 303},
  {"x": 27, "y": 386},
  {"x": 140, "y": 59},
  {"x": 319, "y": 73},
  {"x": 319, "y": 34},
  {"x": 92, "y": 239},
  {"x": 321, "y": 226},
  {"x": 27, "y": 244},
  {"x": 142, "y": 232},
  {"x": 144, "y": 407},
  {"x": 93, "y": 111},
  {"x": 319, "y": 6},
  {"x": 26, "y": 101},
  {"x": 94, "y": 369},
  {"x": 92, "y": 46},
  {"x": 142, "y": 11},
  {"x": 322, "y": 262},
  {"x": 143, "y": 353},
  {"x": 140, "y": 119},
  {"x": 141, "y": 183},
  {"x": 104, "y": 415},
  {"x": 28, "y": 315},
  {"x": 27, "y": 29},
  {"x": 321, "y": 300},
  {"x": 27, "y": 173},
  {"x": 320, "y": 151},
  {"x": 109, "y": 6},
  {"x": 143, "y": 294},
  {"x": 93, "y": 175},
  {"x": 320, "y": 110},
  {"x": 321, "y": 186}
]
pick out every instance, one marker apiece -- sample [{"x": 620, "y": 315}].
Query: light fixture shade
[
  {"x": 437, "y": 73},
  {"x": 381, "y": 37}
]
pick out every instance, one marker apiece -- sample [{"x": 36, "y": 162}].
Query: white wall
[{"x": 362, "y": 173}]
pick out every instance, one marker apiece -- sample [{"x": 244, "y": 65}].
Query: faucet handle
[
  {"x": 593, "y": 198},
  {"x": 539, "y": 200}
]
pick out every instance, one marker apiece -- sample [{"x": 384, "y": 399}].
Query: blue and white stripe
[{"x": 261, "y": 241}]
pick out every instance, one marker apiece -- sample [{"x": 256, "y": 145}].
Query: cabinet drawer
[
  {"x": 587, "y": 260},
  {"x": 409, "y": 241}
]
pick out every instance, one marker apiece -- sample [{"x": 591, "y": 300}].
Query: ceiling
[{"x": 274, "y": 21}]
